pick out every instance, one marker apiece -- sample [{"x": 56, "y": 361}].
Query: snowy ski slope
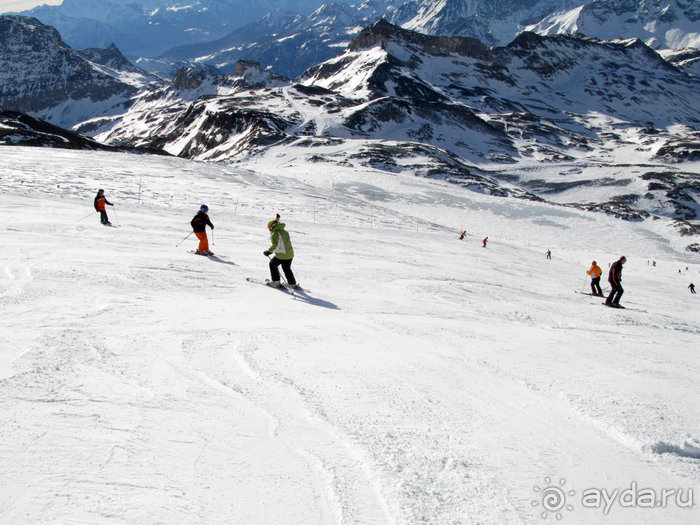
[{"x": 422, "y": 380}]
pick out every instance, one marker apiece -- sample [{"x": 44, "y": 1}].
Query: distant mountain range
[
  {"x": 286, "y": 42},
  {"x": 291, "y": 35},
  {"x": 661, "y": 24},
  {"x": 494, "y": 22},
  {"x": 146, "y": 28}
]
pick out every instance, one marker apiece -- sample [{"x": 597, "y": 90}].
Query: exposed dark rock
[
  {"x": 382, "y": 32},
  {"x": 616, "y": 209},
  {"x": 681, "y": 150},
  {"x": 19, "y": 129}
]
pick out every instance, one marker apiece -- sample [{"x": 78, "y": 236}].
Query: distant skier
[
  {"x": 461, "y": 235},
  {"x": 615, "y": 280},
  {"x": 485, "y": 241},
  {"x": 199, "y": 226},
  {"x": 281, "y": 248},
  {"x": 99, "y": 203},
  {"x": 595, "y": 273},
  {"x": 548, "y": 253},
  {"x": 692, "y": 288}
]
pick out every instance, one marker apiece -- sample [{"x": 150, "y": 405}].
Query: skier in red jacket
[{"x": 100, "y": 202}]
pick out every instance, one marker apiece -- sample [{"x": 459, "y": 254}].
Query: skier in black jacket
[
  {"x": 615, "y": 280},
  {"x": 199, "y": 226}
]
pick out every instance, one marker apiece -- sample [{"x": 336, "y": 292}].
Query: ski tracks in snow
[
  {"x": 15, "y": 281},
  {"x": 346, "y": 488}
]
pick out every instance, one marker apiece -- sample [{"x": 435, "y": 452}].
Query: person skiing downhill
[
  {"x": 281, "y": 248},
  {"x": 595, "y": 273},
  {"x": 461, "y": 235},
  {"x": 199, "y": 226},
  {"x": 99, "y": 203},
  {"x": 486, "y": 239},
  {"x": 548, "y": 253},
  {"x": 615, "y": 280},
  {"x": 692, "y": 288}
]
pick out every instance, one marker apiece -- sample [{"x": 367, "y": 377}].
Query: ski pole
[
  {"x": 583, "y": 286},
  {"x": 93, "y": 213},
  {"x": 115, "y": 213},
  {"x": 183, "y": 240}
]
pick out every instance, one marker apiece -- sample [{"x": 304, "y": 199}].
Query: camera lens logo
[{"x": 552, "y": 498}]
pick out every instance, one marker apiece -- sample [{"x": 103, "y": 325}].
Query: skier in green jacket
[{"x": 281, "y": 248}]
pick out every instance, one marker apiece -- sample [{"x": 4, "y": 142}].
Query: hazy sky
[{"x": 22, "y": 5}]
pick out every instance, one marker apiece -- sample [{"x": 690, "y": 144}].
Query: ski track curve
[
  {"x": 342, "y": 474},
  {"x": 14, "y": 284}
]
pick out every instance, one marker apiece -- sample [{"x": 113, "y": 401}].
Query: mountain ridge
[{"x": 477, "y": 116}]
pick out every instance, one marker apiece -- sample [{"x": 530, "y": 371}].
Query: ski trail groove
[
  {"x": 15, "y": 285},
  {"x": 354, "y": 487}
]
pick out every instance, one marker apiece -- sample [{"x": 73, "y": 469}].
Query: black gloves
[{"x": 266, "y": 253}]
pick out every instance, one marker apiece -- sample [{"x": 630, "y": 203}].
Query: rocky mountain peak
[
  {"x": 110, "y": 56},
  {"x": 41, "y": 75},
  {"x": 252, "y": 74},
  {"x": 243, "y": 66},
  {"x": 383, "y": 32},
  {"x": 189, "y": 78},
  {"x": 15, "y": 28}
]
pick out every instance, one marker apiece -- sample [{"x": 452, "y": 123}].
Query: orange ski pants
[{"x": 203, "y": 241}]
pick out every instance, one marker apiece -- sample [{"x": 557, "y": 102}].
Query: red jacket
[{"x": 100, "y": 202}]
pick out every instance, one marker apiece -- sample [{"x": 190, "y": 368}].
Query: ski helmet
[
  {"x": 272, "y": 224},
  {"x": 204, "y": 208}
]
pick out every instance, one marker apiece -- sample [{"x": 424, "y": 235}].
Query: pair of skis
[
  {"x": 212, "y": 255},
  {"x": 619, "y": 307},
  {"x": 284, "y": 287}
]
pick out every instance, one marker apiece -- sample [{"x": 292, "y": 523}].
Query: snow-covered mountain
[
  {"x": 42, "y": 76},
  {"x": 287, "y": 42},
  {"x": 661, "y": 24},
  {"x": 451, "y": 107},
  {"x": 494, "y": 22},
  {"x": 148, "y": 27}
]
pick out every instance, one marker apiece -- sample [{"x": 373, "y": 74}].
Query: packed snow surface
[{"x": 421, "y": 379}]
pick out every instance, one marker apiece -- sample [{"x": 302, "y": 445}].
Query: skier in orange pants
[{"x": 199, "y": 226}]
